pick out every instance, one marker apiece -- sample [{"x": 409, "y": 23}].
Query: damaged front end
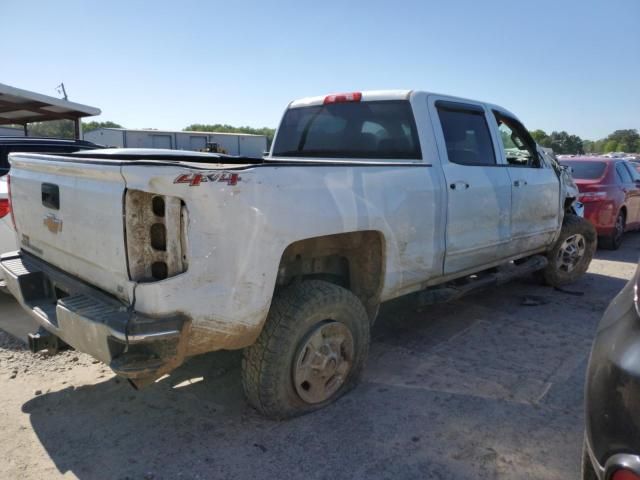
[{"x": 569, "y": 192}]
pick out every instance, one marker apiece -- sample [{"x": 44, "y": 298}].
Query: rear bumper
[
  {"x": 602, "y": 215},
  {"x": 133, "y": 345}
]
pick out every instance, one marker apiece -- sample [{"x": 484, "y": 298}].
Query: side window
[
  {"x": 635, "y": 176},
  {"x": 623, "y": 174},
  {"x": 519, "y": 147},
  {"x": 466, "y": 134}
]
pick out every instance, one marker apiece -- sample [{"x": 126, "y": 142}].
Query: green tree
[
  {"x": 93, "y": 125},
  {"x": 610, "y": 146},
  {"x": 624, "y": 147},
  {"x": 53, "y": 128},
  {"x": 564, "y": 143},
  {"x": 597, "y": 146},
  {"x": 217, "y": 127},
  {"x": 541, "y": 137},
  {"x": 587, "y": 146},
  {"x": 627, "y": 140}
]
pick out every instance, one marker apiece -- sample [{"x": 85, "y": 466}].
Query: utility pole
[{"x": 62, "y": 90}]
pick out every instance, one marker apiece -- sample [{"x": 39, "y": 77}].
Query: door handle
[
  {"x": 519, "y": 183},
  {"x": 50, "y": 196},
  {"x": 459, "y": 185}
]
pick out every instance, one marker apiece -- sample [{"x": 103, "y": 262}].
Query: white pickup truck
[{"x": 143, "y": 258}]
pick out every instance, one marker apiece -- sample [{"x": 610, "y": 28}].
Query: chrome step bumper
[{"x": 88, "y": 319}]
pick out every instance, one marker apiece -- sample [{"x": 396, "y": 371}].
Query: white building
[{"x": 232, "y": 143}]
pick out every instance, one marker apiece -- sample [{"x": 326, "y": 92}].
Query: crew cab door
[
  {"x": 478, "y": 187},
  {"x": 535, "y": 187}
]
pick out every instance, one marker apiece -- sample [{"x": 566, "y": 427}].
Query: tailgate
[{"x": 69, "y": 212}]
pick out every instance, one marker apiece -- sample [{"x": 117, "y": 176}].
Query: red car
[{"x": 610, "y": 191}]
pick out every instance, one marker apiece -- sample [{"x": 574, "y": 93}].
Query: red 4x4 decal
[{"x": 195, "y": 179}]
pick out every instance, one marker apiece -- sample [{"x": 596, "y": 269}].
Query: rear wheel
[
  {"x": 311, "y": 351},
  {"x": 613, "y": 241},
  {"x": 572, "y": 253}
]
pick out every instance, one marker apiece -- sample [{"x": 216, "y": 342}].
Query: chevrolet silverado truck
[{"x": 143, "y": 258}]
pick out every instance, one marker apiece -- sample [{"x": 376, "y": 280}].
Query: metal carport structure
[{"x": 21, "y": 107}]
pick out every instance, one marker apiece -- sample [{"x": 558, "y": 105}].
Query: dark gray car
[{"x": 612, "y": 438}]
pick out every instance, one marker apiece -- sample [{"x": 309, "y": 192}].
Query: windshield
[
  {"x": 585, "y": 170},
  {"x": 384, "y": 129}
]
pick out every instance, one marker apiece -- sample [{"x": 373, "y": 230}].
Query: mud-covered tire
[
  {"x": 558, "y": 273},
  {"x": 296, "y": 313},
  {"x": 614, "y": 241}
]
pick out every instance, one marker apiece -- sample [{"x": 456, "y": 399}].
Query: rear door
[
  {"x": 631, "y": 192},
  {"x": 535, "y": 187},
  {"x": 478, "y": 188}
]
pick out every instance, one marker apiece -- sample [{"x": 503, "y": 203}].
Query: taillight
[
  {"x": 13, "y": 217},
  {"x": 155, "y": 236},
  {"x": 624, "y": 474},
  {"x": 5, "y": 207},
  {"x": 343, "y": 98},
  {"x": 586, "y": 197}
]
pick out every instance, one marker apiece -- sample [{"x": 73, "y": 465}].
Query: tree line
[
  {"x": 561, "y": 142},
  {"x": 627, "y": 141}
]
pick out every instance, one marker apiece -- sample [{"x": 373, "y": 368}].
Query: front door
[
  {"x": 535, "y": 191},
  {"x": 478, "y": 188}
]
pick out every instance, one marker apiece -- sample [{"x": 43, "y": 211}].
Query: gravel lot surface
[{"x": 486, "y": 387}]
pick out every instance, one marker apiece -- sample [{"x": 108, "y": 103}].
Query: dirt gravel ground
[{"x": 486, "y": 387}]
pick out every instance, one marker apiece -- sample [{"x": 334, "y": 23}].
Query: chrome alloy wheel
[
  {"x": 571, "y": 252},
  {"x": 323, "y": 362}
]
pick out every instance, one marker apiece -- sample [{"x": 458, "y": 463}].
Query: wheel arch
[
  {"x": 623, "y": 209},
  {"x": 354, "y": 260}
]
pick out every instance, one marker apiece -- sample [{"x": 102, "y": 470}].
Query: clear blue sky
[{"x": 558, "y": 64}]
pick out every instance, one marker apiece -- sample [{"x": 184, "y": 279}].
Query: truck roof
[{"x": 379, "y": 95}]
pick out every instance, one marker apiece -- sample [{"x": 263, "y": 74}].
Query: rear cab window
[
  {"x": 585, "y": 170},
  {"x": 356, "y": 130}
]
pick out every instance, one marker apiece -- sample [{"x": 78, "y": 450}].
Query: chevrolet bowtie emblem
[{"x": 53, "y": 223}]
